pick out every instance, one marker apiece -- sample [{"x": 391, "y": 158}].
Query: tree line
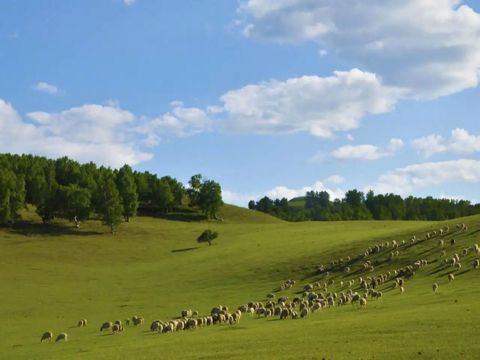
[
  {"x": 356, "y": 205},
  {"x": 64, "y": 188}
]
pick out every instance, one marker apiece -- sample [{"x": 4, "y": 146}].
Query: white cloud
[
  {"x": 335, "y": 179},
  {"x": 88, "y": 133},
  {"x": 405, "y": 180},
  {"x": 46, "y": 88},
  {"x": 279, "y": 192},
  {"x": 180, "y": 121},
  {"x": 367, "y": 151},
  {"x": 460, "y": 142},
  {"x": 129, "y": 2},
  {"x": 428, "y": 46},
  {"x": 318, "y": 105},
  {"x": 231, "y": 197},
  {"x": 350, "y": 137}
]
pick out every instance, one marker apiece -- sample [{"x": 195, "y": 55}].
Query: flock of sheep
[{"x": 361, "y": 287}]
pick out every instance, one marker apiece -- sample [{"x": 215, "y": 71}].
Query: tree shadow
[
  {"x": 185, "y": 249},
  {"x": 185, "y": 217},
  {"x": 27, "y": 228}
]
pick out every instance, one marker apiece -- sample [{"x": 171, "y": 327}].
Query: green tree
[
  {"x": 210, "y": 198},
  {"x": 12, "y": 196},
  {"x": 47, "y": 195},
  {"x": 76, "y": 202},
  {"x": 162, "y": 197},
  {"x": 111, "y": 208},
  {"x": 128, "y": 192},
  {"x": 207, "y": 236},
  {"x": 193, "y": 192}
]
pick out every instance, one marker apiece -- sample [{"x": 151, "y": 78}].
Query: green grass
[{"x": 52, "y": 277}]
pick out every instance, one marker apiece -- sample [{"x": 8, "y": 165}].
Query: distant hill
[
  {"x": 298, "y": 202},
  {"x": 235, "y": 214}
]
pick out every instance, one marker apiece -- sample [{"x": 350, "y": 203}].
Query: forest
[
  {"x": 64, "y": 188},
  {"x": 317, "y": 206}
]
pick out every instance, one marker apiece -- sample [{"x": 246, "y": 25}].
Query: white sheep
[
  {"x": 47, "y": 335},
  {"x": 62, "y": 336}
]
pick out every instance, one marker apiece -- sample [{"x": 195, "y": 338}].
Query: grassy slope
[{"x": 154, "y": 268}]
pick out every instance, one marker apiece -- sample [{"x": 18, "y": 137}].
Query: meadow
[{"x": 50, "y": 277}]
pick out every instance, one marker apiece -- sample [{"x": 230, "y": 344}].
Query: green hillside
[{"x": 52, "y": 277}]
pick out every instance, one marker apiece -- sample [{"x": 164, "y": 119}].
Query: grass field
[{"x": 52, "y": 277}]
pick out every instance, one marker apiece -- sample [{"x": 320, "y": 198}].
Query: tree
[
  {"x": 193, "y": 191},
  {"x": 251, "y": 204},
  {"x": 128, "y": 192},
  {"x": 76, "y": 202},
  {"x": 210, "y": 198},
  {"x": 12, "y": 196},
  {"x": 162, "y": 197},
  {"x": 111, "y": 209},
  {"x": 47, "y": 197},
  {"x": 207, "y": 236}
]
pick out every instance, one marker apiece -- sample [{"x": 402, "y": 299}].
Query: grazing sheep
[
  {"x": 304, "y": 312},
  {"x": 284, "y": 313},
  {"x": 363, "y": 302},
  {"x": 137, "y": 320},
  {"x": 186, "y": 313},
  {"x": 155, "y": 325},
  {"x": 458, "y": 266},
  {"x": 453, "y": 242},
  {"x": 106, "y": 325},
  {"x": 180, "y": 326},
  {"x": 451, "y": 277},
  {"x": 116, "y": 328},
  {"x": 82, "y": 323},
  {"x": 168, "y": 328},
  {"x": 195, "y": 313},
  {"x": 118, "y": 322},
  {"x": 402, "y": 289},
  {"x": 441, "y": 243},
  {"x": 62, "y": 336},
  {"x": 191, "y": 324},
  {"x": 476, "y": 248},
  {"x": 47, "y": 335},
  {"x": 435, "y": 287},
  {"x": 476, "y": 264}
]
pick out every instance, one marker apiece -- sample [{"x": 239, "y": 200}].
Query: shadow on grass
[
  {"x": 181, "y": 214},
  {"x": 27, "y": 228},
  {"x": 185, "y": 249}
]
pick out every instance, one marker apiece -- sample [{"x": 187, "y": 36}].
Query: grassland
[{"x": 52, "y": 277}]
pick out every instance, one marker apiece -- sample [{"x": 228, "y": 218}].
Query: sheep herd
[{"x": 324, "y": 293}]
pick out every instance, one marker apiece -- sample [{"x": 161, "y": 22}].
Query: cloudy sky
[{"x": 269, "y": 97}]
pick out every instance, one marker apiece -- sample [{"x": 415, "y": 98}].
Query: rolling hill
[{"x": 53, "y": 276}]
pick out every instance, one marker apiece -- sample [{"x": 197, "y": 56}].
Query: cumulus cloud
[
  {"x": 460, "y": 142},
  {"x": 430, "y": 47},
  {"x": 179, "y": 122},
  {"x": 87, "y": 133},
  {"x": 405, "y": 180},
  {"x": 335, "y": 179},
  {"x": 239, "y": 199},
  {"x": 367, "y": 151},
  {"x": 46, "y": 88},
  {"x": 279, "y": 192},
  {"x": 317, "y": 105}
]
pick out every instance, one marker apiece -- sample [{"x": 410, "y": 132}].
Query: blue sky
[{"x": 266, "y": 97}]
